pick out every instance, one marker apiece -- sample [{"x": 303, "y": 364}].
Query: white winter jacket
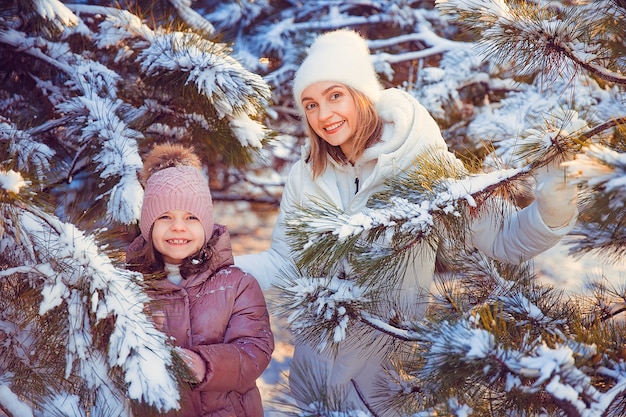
[{"x": 408, "y": 131}]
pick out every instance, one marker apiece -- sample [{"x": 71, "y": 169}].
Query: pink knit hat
[{"x": 177, "y": 188}]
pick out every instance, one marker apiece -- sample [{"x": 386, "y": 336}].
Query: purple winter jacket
[{"x": 221, "y": 314}]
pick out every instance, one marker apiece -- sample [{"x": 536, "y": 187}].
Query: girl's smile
[{"x": 177, "y": 235}]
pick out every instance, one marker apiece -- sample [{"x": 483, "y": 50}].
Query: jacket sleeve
[
  {"x": 266, "y": 265},
  {"x": 516, "y": 236},
  {"x": 246, "y": 351}
]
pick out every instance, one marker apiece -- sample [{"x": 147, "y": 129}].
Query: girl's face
[
  {"x": 331, "y": 111},
  {"x": 176, "y": 235}
]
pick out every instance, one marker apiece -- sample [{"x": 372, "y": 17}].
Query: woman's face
[
  {"x": 176, "y": 235},
  {"x": 331, "y": 111}
]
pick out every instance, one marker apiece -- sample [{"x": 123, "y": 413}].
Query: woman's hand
[{"x": 556, "y": 195}]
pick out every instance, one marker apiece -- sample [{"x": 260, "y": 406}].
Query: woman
[
  {"x": 214, "y": 313},
  {"x": 359, "y": 136}
]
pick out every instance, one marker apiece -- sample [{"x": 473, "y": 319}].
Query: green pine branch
[{"x": 429, "y": 204}]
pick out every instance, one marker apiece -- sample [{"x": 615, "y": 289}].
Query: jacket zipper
[{"x": 356, "y": 182}]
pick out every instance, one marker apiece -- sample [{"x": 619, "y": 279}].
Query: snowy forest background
[{"x": 86, "y": 88}]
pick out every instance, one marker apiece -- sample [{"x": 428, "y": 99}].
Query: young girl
[
  {"x": 215, "y": 313},
  {"x": 359, "y": 136}
]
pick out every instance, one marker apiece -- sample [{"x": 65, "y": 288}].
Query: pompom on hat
[
  {"x": 341, "y": 56},
  {"x": 173, "y": 181}
]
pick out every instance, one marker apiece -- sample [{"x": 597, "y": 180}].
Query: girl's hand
[
  {"x": 158, "y": 318},
  {"x": 194, "y": 362}
]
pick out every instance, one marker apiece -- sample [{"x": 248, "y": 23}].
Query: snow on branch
[
  {"x": 405, "y": 214},
  {"x": 435, "y": 45},
  {"x": 228, "y": 86},
  {"x": 55, "y": 12},
  {"x": 118, "y": 156},
  {"x": 11, "y": 181},
  {"x": 10, "y": 402},
  {"x": 35, "y": 47},
  {"x": 80, "y": 289},
  {"x": 534, "y": 35},
  {"x": 531, "y": 368},
  {"x": 235, "y": 93},
  {"x": 321, "y": 309},
  {"x": 597, "y": 166},
  {"x": 27, "y": 151},
  {"x": 119, "y": 26}
]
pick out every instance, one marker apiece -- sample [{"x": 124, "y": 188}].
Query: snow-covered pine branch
[
  {"x": 236, "y": 93},
  {"x": 418, "y": 206},
  {"x": 323, "y": 311},
  {"x": 547, "y": 40},
  {"x": 221, "y": 79},
  {"x": 28, "y": 153},
  {"x": 555, "y": 134},
  {"x": 86, "y": 333},
  {"x": 604, "y": 170},
  {"x": 515, "y": 349},
  {"x": 118, "y": 157}
]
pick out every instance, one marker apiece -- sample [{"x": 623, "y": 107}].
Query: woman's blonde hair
[{"x": 368, "y": 131}]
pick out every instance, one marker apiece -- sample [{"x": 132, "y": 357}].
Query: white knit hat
[{"x": 341, "y": 56}]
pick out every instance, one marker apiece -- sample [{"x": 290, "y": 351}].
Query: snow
[
  {"x": 11, "y": 402},
  {"x": 249, "y": 132},
  {"x": 486, "y": 7},
  {"x": 53, "y": 10},
  {"x": 11, "y": 181},
  {"x": 320, "y": 301},
  {"x": 28, "y": 152},
  {"x": 481, "y": 343}
]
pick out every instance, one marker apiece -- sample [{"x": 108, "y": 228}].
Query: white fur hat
[{"x": 341, "y": 56}]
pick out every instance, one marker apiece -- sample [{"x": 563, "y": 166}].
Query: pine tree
[
  {"x": 75, "y": 338},
  {"x": 495, "y": 341},
  {"x": 86, "y": 90},
  {"x": 98, "y": 86}
]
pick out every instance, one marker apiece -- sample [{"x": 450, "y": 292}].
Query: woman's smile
[
  {"x": 326, "y": 102},
  {"x": 334, "y": 126}
]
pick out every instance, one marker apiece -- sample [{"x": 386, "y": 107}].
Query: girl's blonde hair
[{"x": 368, "y": 131}]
